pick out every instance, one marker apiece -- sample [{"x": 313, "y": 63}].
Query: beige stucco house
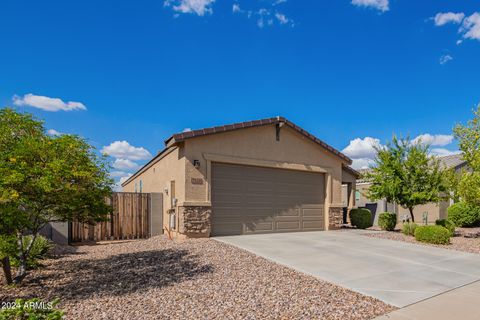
[
  {"x": 432, "y": 211},
  {"x": 252, "y": 177}
]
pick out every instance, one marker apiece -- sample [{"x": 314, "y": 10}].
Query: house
[
  {"x": 431, "y": 211},
  {"x": 260, "y": 176}
]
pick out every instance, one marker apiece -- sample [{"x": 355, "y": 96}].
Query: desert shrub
[
  {"x": 408, "y": 228},
  {"x": 387, "y": 221},
  {"x": 432, "y": 234},
  {"x": 32, "y": 309},
  {"x": 40, "y": 249},
  {"x": 463, "y": 214},
  {"x": 446, "y": 224},
  {"x": 361, "y": 218}
]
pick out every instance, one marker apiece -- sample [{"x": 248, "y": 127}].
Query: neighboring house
[
  {"x": 253, "y": 177},
  {"x": 432, "y": 211}
]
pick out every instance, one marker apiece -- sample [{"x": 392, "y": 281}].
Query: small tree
[
  {"x": 46, "y": 179},
  {"x": 406, "y": 174},
  {"x": 467, "y": 183}
]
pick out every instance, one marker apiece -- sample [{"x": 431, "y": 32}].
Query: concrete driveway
[{"x": 395, "y": 272}]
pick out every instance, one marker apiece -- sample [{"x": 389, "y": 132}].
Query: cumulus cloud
[
  {"x": 118, "y": 174},
  {"x": 362, "y": 163},
  {"x": 47, "y": 103},
  {"x": 125, "y": 164},
  {"x": 198, "y": 7},
  {"x": 362, "y": 148},
  {"x": 362, "y": 151},
  {"x": 439, "y": 140},
  {"x": 445, "y": 59},
  {"x": 53, "y": 132},
  {"x": 443, "y": 18},
  {"x": 123, "y": 150},
  {"x": 443, "y": 152},
  {"x": 471, "y": 27},
  {"x": 382, "y": 5}
]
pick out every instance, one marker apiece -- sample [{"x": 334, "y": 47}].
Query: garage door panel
[
  {"x": 288, "y": 212},
  {"x": 227, "y": 229},
  {"x": 288, "y": 225},
  {"x": 265, "y": 200},
  {"x": 312, "y": 212},
  {"x": 257, "y": 227}
]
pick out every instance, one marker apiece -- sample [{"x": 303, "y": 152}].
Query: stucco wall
[
  {"x": 257, "y": 146},
  {"x": 435, "y": 211},
  {"x": 158, "y": 177}
]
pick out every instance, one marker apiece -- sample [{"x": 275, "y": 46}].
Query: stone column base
[
  {"x": 335, "y": 218},
  {"x": 194, "y": 221}
]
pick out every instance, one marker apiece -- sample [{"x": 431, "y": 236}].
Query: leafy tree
[
  {"x": 46, "y": 179},
  {"x": 467, "y": 183},
  {"x": 405, "y": 173}
]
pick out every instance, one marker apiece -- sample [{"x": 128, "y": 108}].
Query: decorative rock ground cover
[{"x": 189, "y": 279}]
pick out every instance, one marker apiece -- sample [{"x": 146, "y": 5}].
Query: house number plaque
[{"x": 197, "y": 181}]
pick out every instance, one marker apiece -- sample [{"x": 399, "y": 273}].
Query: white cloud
[
  {"x": 47, "y": 103},
  {"x": 118, "y": 174},
  {"x": 125, "y": 164},
  {"x": 187, "y": 130},
  {"x": 281, "y": 18},
  {"x": 362, "y": 163},
  {"x": 471, "y": 27},
  {"x": 448, "y": 17},
  {"x": 445, "y": 59},
  {"x": 125, "y": 178},
  {"x": 434, "y": 140},
  {"x": 236, "y": 8},
  {"x": 382, "y": 5},
  {"x": 53, "y": 132},
  {"x": 123, "y": 150},
  {"x": 443, "y": 152},
  {"x": 118, "y": 185},
  {"x": 362, "y": 148},
  {"x": 198, "y": 7}
]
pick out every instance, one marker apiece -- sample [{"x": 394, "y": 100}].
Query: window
[
  {"x": 140, "y": 186},
  {"x": 135, "y": 187},
  {"x": 357, "y": 195}
]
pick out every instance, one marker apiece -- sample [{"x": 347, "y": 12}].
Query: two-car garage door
[{"x": 248, "y": 200}]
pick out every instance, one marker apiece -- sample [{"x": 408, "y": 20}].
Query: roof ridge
[{"x": 182, "y": 136}]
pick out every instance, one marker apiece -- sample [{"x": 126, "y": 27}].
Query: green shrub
[
  {"x": 361, "y": 218},
  {"x": 387, "y": 221},
  {"x": 463, "y": 214},
  {"x": 40, "y": 249},
  {"x": 446, "y": 224},
  {"x": 432, "y": 234},
  {"x": 408, "y": 228},
  {"x": 32, "y": 309}
]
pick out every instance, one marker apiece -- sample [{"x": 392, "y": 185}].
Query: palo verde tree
[
  {"x": 45, "y": 179},
  {"x": 405, "y": 173}
]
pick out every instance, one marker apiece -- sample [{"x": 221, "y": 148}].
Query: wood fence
[{"x": 129, "y": 220}]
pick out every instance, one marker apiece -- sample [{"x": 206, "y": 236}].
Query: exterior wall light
[{"x": 196, "y": 163}]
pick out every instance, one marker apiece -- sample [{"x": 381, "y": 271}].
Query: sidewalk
[{"x": 461, "y": 303}]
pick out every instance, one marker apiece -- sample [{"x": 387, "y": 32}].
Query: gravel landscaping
[
  {"x": 189, "y": 279},
  {"x": 457, "y": 243}
]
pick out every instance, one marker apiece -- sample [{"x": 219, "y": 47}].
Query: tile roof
[
  {"x": 451, "y": 161},
  {"x": 179, "y": 137}
]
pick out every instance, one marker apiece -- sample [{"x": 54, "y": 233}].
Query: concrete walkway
[
  {"x": 460, "y": 303},
  {"x": 395, "y": 272}
]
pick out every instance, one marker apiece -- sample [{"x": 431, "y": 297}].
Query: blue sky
[{"x": 350, "y": 72}]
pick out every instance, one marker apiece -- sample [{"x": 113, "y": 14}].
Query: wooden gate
[{"x": 129, "y": 220}]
